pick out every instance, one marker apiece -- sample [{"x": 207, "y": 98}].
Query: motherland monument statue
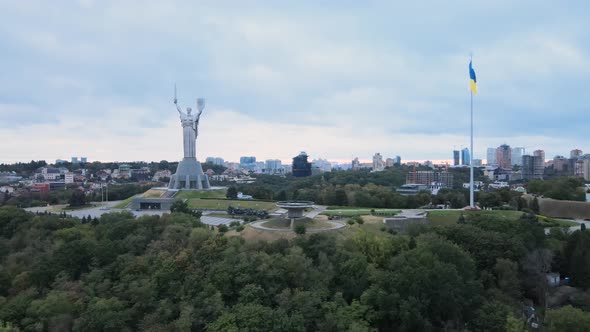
[{"x": 189, "y": 174}]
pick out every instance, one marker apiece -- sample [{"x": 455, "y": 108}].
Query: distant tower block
[{"x": 189, "y": 173}]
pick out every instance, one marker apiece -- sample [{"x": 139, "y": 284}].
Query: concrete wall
[
  {"x": 564, "y": 209},
  {"x": 165, "y": 203},
  {"x": 401, "y": 223}
]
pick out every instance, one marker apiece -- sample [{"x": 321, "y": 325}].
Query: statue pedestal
[{"x": 189, "y": 175}]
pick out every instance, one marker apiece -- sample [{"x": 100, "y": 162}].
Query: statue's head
[{"x": 188, "y": 110}]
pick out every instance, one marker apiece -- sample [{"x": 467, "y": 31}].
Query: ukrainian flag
[{"x": 472, "y": 80}]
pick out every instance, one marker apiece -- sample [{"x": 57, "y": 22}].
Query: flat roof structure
[{"x": 295, "y": 208}]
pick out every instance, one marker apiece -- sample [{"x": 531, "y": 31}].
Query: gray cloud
[{"x": 399, "y": 69}]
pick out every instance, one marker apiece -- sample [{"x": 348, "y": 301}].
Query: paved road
[{"x": 579, "y": 222}]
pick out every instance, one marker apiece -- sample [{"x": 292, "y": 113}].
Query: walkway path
[
  {"x": 579, "y": 222},
  {"x": 317, "y": 209},
  {"x": 335, "y": 225}
]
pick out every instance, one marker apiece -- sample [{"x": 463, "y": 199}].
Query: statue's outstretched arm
[{"x": 178, "y": 108}]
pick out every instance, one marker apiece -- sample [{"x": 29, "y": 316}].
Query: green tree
[
  {"x": 180, "y": 206},
  {"x": 300, "y": 229},
  {"x": 282, "y": 196},
  {"x": 568, "y": 319},
  {"x": 78, "y": 198},
  {"x": 535, "y": 205},
  {"x": 222, "y": 228},
  {"x": 232, "y": 192},
  {"x": 244, "y": 317},
  {"x": 103, "y": 315},
  {"x": 55, "y": 312},
  {"x": 514, "y": 324},
  {"x": 490, "y": 317},
  {"x": 577, "y": 253},
  {"x": 461, "y": 219},
  {"x": 7, "y": 327},
  {"x": 506, "y": 272}
]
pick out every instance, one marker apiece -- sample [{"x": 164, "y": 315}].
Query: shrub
[
  {"x": 300, "y": 229},
  {"x": 222, "y": 228},
  {"x": 359, "y": 220},
  {"x": 350, "y": 222},
  {"x": 240, "y": 228}
]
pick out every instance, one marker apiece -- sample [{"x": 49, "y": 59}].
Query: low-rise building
[
  {"x": 6, "y": 189},
  {"x": 69, "y": 178},
  {"x": 499, "y": 184},
  {"x": 40, "y": 187},
  {"x": 428, "y": 177},
  {"x": 412, "y": 188}
]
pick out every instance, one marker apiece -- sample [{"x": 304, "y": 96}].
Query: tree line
[{"x": 170, "y": 273}]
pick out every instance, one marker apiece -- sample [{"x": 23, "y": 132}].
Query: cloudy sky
[{"x": 338, "y": 79}]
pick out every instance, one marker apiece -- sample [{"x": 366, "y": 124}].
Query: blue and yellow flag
[{"x": 472, "y": 80}]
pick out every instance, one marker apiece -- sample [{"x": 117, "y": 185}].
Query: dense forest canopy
[{"x": 171, "y": 273}]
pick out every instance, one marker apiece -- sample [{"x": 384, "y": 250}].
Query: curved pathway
[{"x": 335, "y": 225}]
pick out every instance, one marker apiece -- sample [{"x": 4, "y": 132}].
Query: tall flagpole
[
  {"x": 471, "y": 158},
  {"x": 471, "y": 204}
]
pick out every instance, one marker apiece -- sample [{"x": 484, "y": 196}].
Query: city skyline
[{"x": 338, "y": 82}]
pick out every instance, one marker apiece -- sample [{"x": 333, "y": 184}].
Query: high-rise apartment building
[
  {"x": 560, "y": 164},
  {"x": 445, "y": 179},
  {"x": 273, "y": 166},
  {"x": 248, "y": 162},
  {"x": 491, "y": 156},
  {"x": 322, "y": 164},
  {"x": 539, "y": 162},
  {"x": 215, "y": 161},
  {"x": 465, "y": 157},
  {"x": 301, "y": 167},
  {"x": 378, "y": 164},
  {"x": 456, "y": 159},
  {"x": 532, "y": 167},
  {"x": 578, "y": 168},
  {"x": 540, "y": 153},
  {"x": 397, "y": 160},
  {"x": 356, "y": 165},
  {"x": 586, "y": 169},
  {"x": 576, "y": 153},
  {"x": 389, "y": 162},
  {"x": 504, "y": 156},
  {"x": 517, "y": 156}
]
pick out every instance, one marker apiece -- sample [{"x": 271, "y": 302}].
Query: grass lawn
[
  {"x": 449, "y": 217},
  {"x": 124, "y": 203},
  {"x": 551, "y": 222},
  {"x": 223, "y": 204},
  {"x": 153, "y": 193},
  {"x": 189, "y": 194},
  {"x": 359, "y": 212}
]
